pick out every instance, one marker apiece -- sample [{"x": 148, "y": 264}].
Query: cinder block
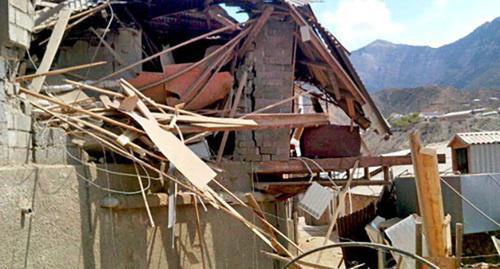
[
  {"x": 266, "y": 157},
  {"x": 20, "y": 139},
  {"x": 49, "y": 155},
  {"x": 16, "y": 120},
  {"x": 22, "y": 5},
  {"x": 3, "y": 68},
  {"x": 24, "y": 20},
  {"x": 4, "y": 154},
  {"x": 49, "y": 137},
  {"x": 268, "y": 150},
  {"x": 20, "y": 155},
  {"x": 12, "y": 14}
]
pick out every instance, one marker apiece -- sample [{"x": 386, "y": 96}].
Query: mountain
[
  {"x": 433, "y": 99},
  {"x": 469, "y": 63}
]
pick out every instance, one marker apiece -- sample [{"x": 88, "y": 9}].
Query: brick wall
[
  {"x": 271, "y": 81},
  {"x": 20, "y": 141},
  {"x": 17, "y": 19}
]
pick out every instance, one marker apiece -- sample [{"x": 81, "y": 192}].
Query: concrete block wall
[
  {"x": 17, "y": 20},
  {"x": 270, "y": 82}
]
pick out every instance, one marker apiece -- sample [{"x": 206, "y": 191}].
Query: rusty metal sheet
[
  {"x": 331, "y": 141},
  {"x": 172, "y": 91}
]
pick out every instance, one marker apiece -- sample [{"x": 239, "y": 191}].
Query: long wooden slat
[
  {"x": 84, "y": 111},
  {"x": 52, "y": 48},
  {"x": 265, "y": 121},
  {"x": 158, "y": 54},
  {"x": 333, "y": 164},
  {"x": 258, "y": 210},
  {"x": 327, "y": 56},
  {"x": 192, "y": 119},
  {"x": 190, "y": 165},
  {"x": 59, "y": 71},
  {"x": 237, "y": 98}
]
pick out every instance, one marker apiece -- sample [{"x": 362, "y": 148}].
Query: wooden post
[
  {"x": 52, "y": 48},
  {"x": 381, "y": 254},
  {"x": 418, "y": 243},
  {"x": 429, "y": 196},
  {"x": 459, "y": 234},
  {"x": 387, "y": 174},
  {"x": 367, "y": 173}
]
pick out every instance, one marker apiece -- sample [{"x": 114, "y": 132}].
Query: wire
[
  {"x": 107, "y": 170},
  {"x": 470, "y": 203},
  {"x": 109, "y": 189},
  {"x": 363, "y": 245}
]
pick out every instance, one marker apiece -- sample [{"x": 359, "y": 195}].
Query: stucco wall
[{"x": 68, "y": 229}]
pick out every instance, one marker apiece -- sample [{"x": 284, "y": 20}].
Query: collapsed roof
[{"x": 320, "y": 58}]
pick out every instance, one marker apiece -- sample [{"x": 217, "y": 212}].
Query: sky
[{"x": 434, "y": 23}]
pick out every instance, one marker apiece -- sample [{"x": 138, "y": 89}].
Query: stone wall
[
  {"x": 17, "y": 18},
  {"x": 271, "y": 81}
]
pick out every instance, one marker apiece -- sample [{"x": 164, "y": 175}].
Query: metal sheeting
[
  {"x": 482, "y": 190},
  {"x": 300, "y": 2},
  {"x": 316, "y": 200},
  {"x": 484, "y": 158},
  {"x": 479, "y": 138}
]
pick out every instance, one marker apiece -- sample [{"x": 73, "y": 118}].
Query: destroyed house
[{"x": 170, "y": 134}]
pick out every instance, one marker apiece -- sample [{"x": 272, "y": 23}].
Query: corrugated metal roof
[
  {"x": 479, "y": 138},
  {"x": 300, "y": 2}
]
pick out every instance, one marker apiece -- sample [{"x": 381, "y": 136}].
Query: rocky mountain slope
[
  {"x": 471, "y": 62},
  {"x": 433, "y": 99},
  {"x": 431, "y": 132}
]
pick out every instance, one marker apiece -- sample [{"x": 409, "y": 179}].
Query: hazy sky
[{"x": 417, "y": 22}]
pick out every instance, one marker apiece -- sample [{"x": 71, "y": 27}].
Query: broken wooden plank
[
  {"x": 52, "y": 48},
  {"x": 204, "y": 119},
  {"x": 333, "y": 164},
  {"x": 267, "y": 226},
  {"x": 158, "y": 54},
  {"x": 184, "y": 160},
  {"x": 59, "y": 71},
  {"x": 242, "y": 83},
  {"x": 264, "y": 121},
  {"x": 116, "y": 56},
  {"x": 291, "y": 187}
]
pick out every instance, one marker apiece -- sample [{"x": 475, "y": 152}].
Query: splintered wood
[
  {"x": 157, "y": 120},
  {"x": 190, "y": 165}
]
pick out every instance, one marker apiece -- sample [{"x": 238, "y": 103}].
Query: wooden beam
[
  {"x": 316, "y": 64},
  {"x": 333, "y": 164},
  {"x": 264, "y": 121},
  {"x": 327, "y": 56},
  {"x": 52, "y": 48},
  {"x": 294, "y": 187},
  {"x": 429, "y": 195},
  {"x": 252, "y": 202},
  {"x": 158, "y": 54},
  {"x": 59, "y": 71},
  {"x": 232, "y": 113}
]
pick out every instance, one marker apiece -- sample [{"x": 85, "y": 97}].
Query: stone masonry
[
  {"x": 20, "y": 141},
  {"x": 271, "y": 81}
]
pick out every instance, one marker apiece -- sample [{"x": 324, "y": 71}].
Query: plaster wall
[{"x": 64, "y": 226}]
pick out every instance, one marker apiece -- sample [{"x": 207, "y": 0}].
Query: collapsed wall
[{"x": 58, "y": 212}]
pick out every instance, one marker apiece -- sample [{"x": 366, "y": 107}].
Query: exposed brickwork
[
  {"x": 271, "y": 81},
  {"x": 17, "y": 19}
]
